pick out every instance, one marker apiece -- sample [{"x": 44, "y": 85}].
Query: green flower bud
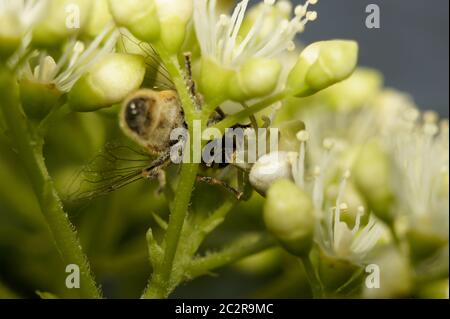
[
  {"x": 214, "y": 81},
  {"x": 256, "y": 78},
  {"x": 63, "y": 19},
  {"x": 99, "y": 18},
  {"x": 108, "y": 82},
  {"x": 356, "y": 91},
  {"x": 395, "y": 276},
  {"x": 423, "y": 245},
  {"x": 372, "y": 174},
  {"x": 128, "y": 43},
  {"x": 174, "y": 16},
  {"x": 289, "y": 216},
  {"x": 321, "y": 65},
  {"x": 335, "y": 272},
  {"x": 152, "y": 20},
  {"x": 260, "y": 263},
  {"x": 38, "y": 99},
  {"x": 138, "y": 16}
]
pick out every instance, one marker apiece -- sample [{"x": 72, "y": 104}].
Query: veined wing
[
  {"x": 116, "y": 166},
  {"x": 157, "y": 75}
]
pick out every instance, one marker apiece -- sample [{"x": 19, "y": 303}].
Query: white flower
[
  {"x": 20, "y": 15},
  {"x": 342, "y": 133},
  {"x": 74, "y": 62},
  {"x": 17, "y": 17},
  {"x": 221, "y": 38},
  {"x": 419, "y": 148},
  {"x": 339, "y": 239},
  {"x": 333, "y": 234}
]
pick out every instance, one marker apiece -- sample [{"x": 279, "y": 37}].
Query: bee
[{"x": 147, "y": 117}]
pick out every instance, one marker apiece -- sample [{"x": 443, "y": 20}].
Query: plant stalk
[
  {"x": 29, "y": 146},
  {"x": 316, "y": 286},
  {"x": 186, "y": 181},
  {"x": 240, "y": 249}
]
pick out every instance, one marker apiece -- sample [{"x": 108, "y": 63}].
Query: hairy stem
[
  {"x": 30, "y": 149},
  {"x": 218, "y": 216},
  {"x": 185, "y": 184},
  {"x": 247, "y": 246},
  {"x": 174, "y": 70}
]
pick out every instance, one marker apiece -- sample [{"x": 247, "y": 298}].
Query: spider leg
[
  {"x": 190, "y": 80},
  {"x": 217, "y": 182}
]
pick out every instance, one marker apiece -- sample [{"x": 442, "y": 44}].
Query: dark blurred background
[{"x": 410, "y": 48}]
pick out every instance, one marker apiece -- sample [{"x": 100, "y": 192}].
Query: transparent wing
[
  {"x": 116, "y": 166},
  {"x": 157, "y": 75}
]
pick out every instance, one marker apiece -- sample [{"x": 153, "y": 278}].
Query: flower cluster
[
  {"x": 361, "y": 176},
  {"x": 388, "y": 195}
]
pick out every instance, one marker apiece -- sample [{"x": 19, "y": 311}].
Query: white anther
[{"x": 303, "y": 136}]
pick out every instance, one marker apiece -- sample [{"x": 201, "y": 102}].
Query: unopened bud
[
  {"x": 138, "y": 16},
  {"x": 99, "y": 18},
  {"x": 214, "y": 81},
  {"x": 63, "y": 18},
  {"x": 356, "y": 91},
  {"x": 256, "y": 78},
  {"x": 108, "y": 82},
  {"x": 174, "y": 16},
  {"x": 289, "y": 216},
  {"x": 321, "y": 65},
  {"x": 38, "y": 98},
  {"x": 372, "y": 173}
]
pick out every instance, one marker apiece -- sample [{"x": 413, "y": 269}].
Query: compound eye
[{"x": 137, "y": 116}]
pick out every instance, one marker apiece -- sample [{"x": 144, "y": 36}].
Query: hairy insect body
[{"x": 148, "y": 117}]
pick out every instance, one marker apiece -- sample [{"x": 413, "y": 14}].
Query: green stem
[
  {"x": 173, "y": 68},
  {"x": 245, "y": 247},
  {"x": 55, "y": 114},
  {"x": 234, "y": 119},
  {"x": 186, "y": 180},
  {"x": 30, "y": 147},
  {"x": 314, "y": 281},
  {"x": 180, "y": 207}
]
